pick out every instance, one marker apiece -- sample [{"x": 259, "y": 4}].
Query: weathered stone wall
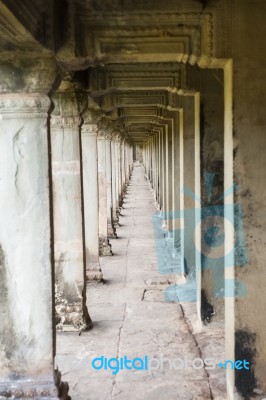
[
  {"x": 212, "y": 188},
  {"x": 249, "y": 32}
]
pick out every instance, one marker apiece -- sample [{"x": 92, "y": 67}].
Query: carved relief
[{"x": 65, "y": 121}]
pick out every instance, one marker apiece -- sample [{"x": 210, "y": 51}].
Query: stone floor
[{"x": 131, "y": 318}]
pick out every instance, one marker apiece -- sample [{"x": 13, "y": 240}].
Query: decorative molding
[
  {"x": 24, "y": 105},
  {"x": 88, "y": 129},
  {"x": 69, "y": 121},
  {"x": 92, "y": 116},
  {"x": 105, "y": 128},
  {"x": 183, "y": 37},
  {"x": 70, "y": 101}
]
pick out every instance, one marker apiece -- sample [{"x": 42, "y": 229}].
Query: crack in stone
[
  {"x": 198, "y": 347},
  {"x": 118, "y": 347},
  {"x": 124, "y": 315},
  {"x": 15, "y": 150},
  {"x": 143, "y": 295}
]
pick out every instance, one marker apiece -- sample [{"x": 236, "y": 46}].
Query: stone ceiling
[{"x": 137, "y": 54}]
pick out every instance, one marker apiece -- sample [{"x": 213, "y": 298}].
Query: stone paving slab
[{"x": 131, "y": 318}]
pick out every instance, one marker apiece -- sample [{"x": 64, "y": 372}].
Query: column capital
[
  {"x": 109, "y": 136},
  {"x": 105, "y": 129},
  {"x": 91, "y": 117},
  {"x": 69, "y": 101},
  {"x": 89, "y": 129},
  {"x": 118, "y": 137},
  {"x": 60, "y": 120},
  {"x": 24, "y": 105}
]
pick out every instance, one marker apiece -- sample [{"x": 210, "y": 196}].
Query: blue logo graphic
[
  {"x": 239, "y": 364},
  {"x": 160, "y": 363},
  {"x": 118, "y": 364},
  {"x": 211, "y": 222}
]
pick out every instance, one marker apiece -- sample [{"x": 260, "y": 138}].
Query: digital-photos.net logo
[{"x": 159, "y": 364}]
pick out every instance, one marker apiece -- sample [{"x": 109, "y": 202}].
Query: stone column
[
  {"x": 169, "y": 183},
  {"x": 123, "y": 180},
  {"x": 212, "y": 194},
  {"x": 126, "y": 163},
  {"x": 158, "y": 166},
  {"x": 108, "y": 159},
  {"x": 104, "y": 245},
  {"x": 90, "y": 193},
  {"x": 118, "y": 172},
  {"x": 150, "y": 168},
  {"x": 177, "y": 135},
  {"x": 27, "y": 334},
  {"x": 164, "y": 174},
  {"x": 71, "y": 310},
  {"x": 117, "y": 158},
  {"x": 191, "y": 204},
  {"x": 160, "y": 201},
  {"x": 130, "y": 159},
  {"x": 146, "y": 158},
  {"x": 115, "y": 199},
  {"x": 153, "y": 163}
]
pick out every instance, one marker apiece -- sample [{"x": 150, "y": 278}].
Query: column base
[
  {"x": 51, "y": 388},
  {"x": 118, "y": 211},
  {"x": 105, "y": 249},
  {"x": 111, "y": 231},
  {"x": 164, "y": 226},
  {"x": 70, "y": 318},
  {"x": 120, "y": 203},
  {"x": 115, "y": 220},
  {"x": 94, "y": 272}
]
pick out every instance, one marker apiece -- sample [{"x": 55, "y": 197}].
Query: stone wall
[{"x": 249, "y": 89}]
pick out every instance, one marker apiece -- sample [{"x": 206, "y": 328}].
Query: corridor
[
  {"x": 132, "y": 198},
  {"x": 132, "y": 319}
]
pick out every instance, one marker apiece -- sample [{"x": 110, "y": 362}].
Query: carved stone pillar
[
  {"x": 156, "y": 166},
  {"x": 188, "y": 249},
  {"x": 108, "y": 168},
  {"x": 26, "y": 302},
  {"x": 91, "y": 198},
  {"x": 117, "y": 156},
  {"x": 169, "y": 183},
  {"x": 104, "y": 245},
  {"x": 176, "y": 151},
  {"x": 123, "y": 175},
  {"x": 126, "y": 164},
  {"x": 115, "y": 198},
  {"x": 118, "y": 171},
  {"x": 164, "y": 174},
  {"x": 71, "y": 309}
]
